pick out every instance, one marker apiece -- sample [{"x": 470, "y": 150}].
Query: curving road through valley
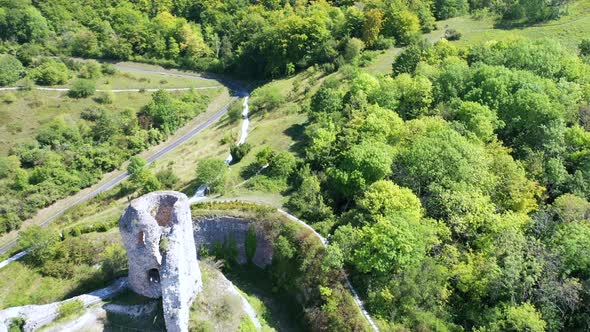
[{"x": 238, "y": 90}]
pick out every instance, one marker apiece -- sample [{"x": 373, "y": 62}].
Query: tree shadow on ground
[
  {"x": 284, "y": 312},
  {"x": 250, "y": 170},
  {"x": 296, "y": 133}
]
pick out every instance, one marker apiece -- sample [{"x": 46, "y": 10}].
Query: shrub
[
  {"x": 584, "y": 47},
  {"x": 90, "y": 70},
  {"x": 50, "y": 73},
  {"x": 108, "y": 69},
  {"x": 82, "y": 88},
  {"x": 105, "y": 98},
  {"x": 16, "y": 324},
  {"x": 91, "y": 114},
  {"x": 10, "y": 69},
  {"x": 267, "y": 98},
  {"x": 384, "y": 43},
  {"x": 27, "y": 84},
  {"x": 239, "y": 151},
  {"x": 353, "y": 49},
  {"x": 75, "y": 232},
  {"x": 452, "y": 34},
  {"x": 9, "y": 98},
  {"x": 167, "y": 178},
  {"x": 114, "y": 260},
  {"x": 70, "y": 308}
]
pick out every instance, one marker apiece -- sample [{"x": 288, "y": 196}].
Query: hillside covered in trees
[
  {"x": 454, "y": 188},
  {"x": 266, "y": 38}
]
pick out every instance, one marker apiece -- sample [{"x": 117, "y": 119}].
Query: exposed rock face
[
  {"x": 225, "y": 230},
  {"x": 158, "y": 234},
  {"x": 36, "y": 316}
]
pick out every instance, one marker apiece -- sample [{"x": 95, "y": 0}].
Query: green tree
[
  {"x": 82, "y": 88},
  {"x": 50, "y": 73},
  {"x": 41, "y": 243},
  {"x": 572, "y": 243},
  {"x": 401, "y": 23},
  {"x": 212, "y": 172},
  {"x": 281, "y": 165},
  {"x": 478, "y": 119},
  {"x": 389, "y": 245},
  {"x": 385, "y": 198},
  {"x": 136, "y": 164},
  {"x": 307, "y": 201},
  {"x": 372, "y": 26},
  {"x": 163, "y": 112},
  {"x": 360, "y": 166},
  {"x": 11, "y": 70},
  {"x": 517, "y": 318},
  {"x": 450, "y": 8}
]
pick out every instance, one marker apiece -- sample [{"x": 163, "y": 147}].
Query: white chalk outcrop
[{"x": 158, "y": 234}]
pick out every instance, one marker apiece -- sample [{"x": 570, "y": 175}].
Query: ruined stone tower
[{"x": 158, "y": 234}]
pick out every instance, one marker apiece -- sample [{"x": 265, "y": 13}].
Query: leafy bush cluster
[
  {"x": 98, "y": 227},
  {"x": 456, "y": 189},
  {"x": 73, "y": 256},
  {"x": 66, "y": 157}
]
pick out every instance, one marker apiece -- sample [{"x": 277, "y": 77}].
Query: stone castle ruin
[{"x": 158, "y": 234}]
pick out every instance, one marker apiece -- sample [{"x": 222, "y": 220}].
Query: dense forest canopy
[
  {"x": 248, "y": 38},
  {"x": 455, "y": 187}
]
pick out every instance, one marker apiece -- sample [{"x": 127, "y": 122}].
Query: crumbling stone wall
[
  {"x": 210, "y": 231},
  {"x": 158, "y": 234}
]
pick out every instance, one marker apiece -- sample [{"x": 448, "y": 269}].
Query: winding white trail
[
  {"x": 13, "y": 258},
  {"x": 245, "y": 125},
  {"x": 202, "y": 190},
  {"x": 39, "y": 315},
  {"x": 246, "y": 306}
]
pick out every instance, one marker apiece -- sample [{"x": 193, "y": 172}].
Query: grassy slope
[
  {"x": 21, "y": 284},
  {"x": 20, "y": 119},
  {"x": 568, "y": 30}
]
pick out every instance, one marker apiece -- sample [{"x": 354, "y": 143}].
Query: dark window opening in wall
[
  {"x": 154, "y": 276},
  {"x": 141, "y": 238}
]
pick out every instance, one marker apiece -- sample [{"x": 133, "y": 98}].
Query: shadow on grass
[
  {"x": 119, "y": 322},
  {"x": 190, "y": 188},
  {"x": 250, "y": 170},
  {"x": 93, "y": 282},
  {"x": 296, "y": 133},
  {"x": 284, "y": 312}
]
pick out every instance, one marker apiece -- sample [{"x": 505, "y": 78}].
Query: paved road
[{"x": 167, "y": 149}]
